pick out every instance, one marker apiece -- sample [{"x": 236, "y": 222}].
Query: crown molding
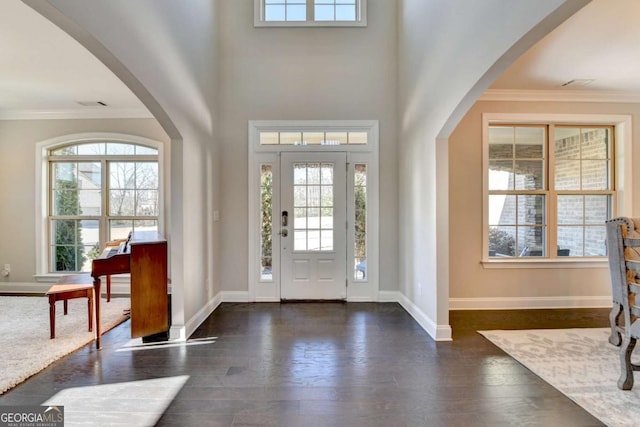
[
  {"x": 76, "y": 113},
  {"x": 565, "y": 95}
]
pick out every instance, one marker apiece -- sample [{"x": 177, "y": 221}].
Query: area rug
[
  {"x": 581, "y": 364},
  {"x": 25, "y": 346}
]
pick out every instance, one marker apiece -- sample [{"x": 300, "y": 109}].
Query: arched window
[{"x": 97, "y": 191}]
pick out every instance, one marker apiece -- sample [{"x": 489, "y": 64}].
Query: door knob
[{"x": 284, "y": 233}]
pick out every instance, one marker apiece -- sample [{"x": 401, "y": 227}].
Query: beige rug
[
  {"x": 581, "y": 364},
  {"x": 25, "y": 346}
]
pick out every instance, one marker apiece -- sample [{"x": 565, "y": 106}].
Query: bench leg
[
  {"x": 90, "y": 304},
  {"x": 66, "y": 306},
  {"x": 52, "y": 316}
]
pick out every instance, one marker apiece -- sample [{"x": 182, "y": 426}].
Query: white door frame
[{"x": 269, "y": 290}]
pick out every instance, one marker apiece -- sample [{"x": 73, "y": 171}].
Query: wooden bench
[{"x": 66, "y": 288}]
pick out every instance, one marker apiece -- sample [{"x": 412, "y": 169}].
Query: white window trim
[
  {"x": 258, "y": 17},
  {"x": 623, "y": 179},
  {"x": 357, "y": 290},
  {"x": 41, "y": 185}
]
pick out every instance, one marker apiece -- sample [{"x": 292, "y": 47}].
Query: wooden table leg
[
  {"x": 52, "y": 316},
  {"x": 96, "y": 295},
  {"x": 90, "y": 304}
]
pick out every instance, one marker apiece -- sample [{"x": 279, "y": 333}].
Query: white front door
[{"x": 312, "y": 224}]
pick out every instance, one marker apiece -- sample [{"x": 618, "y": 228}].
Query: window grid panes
[
  {"x": 522, "y": 179},
  {"x": 517, "y": 200},
  {"x": 314, "y": 138},
  {"x": 266, "y": 223},
  {"x": 285, "y": 10},
  {"x": 98, "y": 192},
  {"x": 583, "y": 171},
  {"x": 313, "y": 207},
  {"x": 335, "y": 10},
  {"x": 311, "y": 10},
  {"x": 360, "y": 221}
]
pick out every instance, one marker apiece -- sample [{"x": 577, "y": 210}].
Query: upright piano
[{"x": 144, "y": 256}]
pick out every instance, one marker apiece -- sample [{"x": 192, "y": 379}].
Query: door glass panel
[
  {"x": 313, "y": 207},
  {"x": 360, "y": 211},
  {"x": 266, "y": 222}
]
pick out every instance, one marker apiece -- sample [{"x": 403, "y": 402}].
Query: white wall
[
  {"x": 165, "y": 53},
  {"x": 449, "y": 52},
  {"x": 18, "y": 139},
  {"x": 304, "y": 74},
  {"x": 471, "y": 284}
]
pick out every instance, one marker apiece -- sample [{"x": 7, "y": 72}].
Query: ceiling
[
  {"x": 45, "y": 73},
  {"x": 599, "y": 46}
]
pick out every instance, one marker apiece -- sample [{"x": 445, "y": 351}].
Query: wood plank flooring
[{"x": 313, "y": 364}]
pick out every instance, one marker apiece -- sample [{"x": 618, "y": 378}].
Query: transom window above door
[
  {"x": 310, "y": 13},
  {"x": 313, "y": 138}
]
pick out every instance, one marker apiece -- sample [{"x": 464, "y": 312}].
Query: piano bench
[{"x": 66, "y": 288}]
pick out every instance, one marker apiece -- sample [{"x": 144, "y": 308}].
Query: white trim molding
[
  {"x": 560, "y": 95},
  {"x": 269, "y": 290},
  {"x": 437, "y": 332},
  {"x": 41, "y": 181},
  {"x": 623, "y": 178},
  {"x": 77, "y": 113}
]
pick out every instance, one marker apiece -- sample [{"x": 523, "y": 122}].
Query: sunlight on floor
[
  {"x": 137, "y": 344},
  {"x": 134, "y": 403}
]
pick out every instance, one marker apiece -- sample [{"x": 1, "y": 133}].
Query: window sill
[
  {"x": 599, "y": 262},
  {"x": 313, "y": 24}
]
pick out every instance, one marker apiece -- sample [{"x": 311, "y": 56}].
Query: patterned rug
[
  {"x": 581, "y": 364},
  {"x": 25, "y": 346}
]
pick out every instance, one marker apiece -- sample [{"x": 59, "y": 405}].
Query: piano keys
[{"x": 144, "y": 256}]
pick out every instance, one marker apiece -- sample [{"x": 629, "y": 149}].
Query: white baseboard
[
  {"x": 437, "y": 332},
  {"x": 519, "y": 303},
  {"x": 197, "y": 319}
]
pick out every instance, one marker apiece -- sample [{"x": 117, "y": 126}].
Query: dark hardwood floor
[{"x": 313, "y": 364}]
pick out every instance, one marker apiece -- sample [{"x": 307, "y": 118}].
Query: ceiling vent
[
  {"x": 92, "y": 103},
  {"x": 577, "y": 82}
]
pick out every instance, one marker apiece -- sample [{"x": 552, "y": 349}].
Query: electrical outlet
[{"x": 7, "y": 270}]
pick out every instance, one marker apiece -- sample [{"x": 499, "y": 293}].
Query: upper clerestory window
[{"x": 318, "y": 13}]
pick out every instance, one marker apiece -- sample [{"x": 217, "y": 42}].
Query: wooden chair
[{"x": 623, "y": 246}]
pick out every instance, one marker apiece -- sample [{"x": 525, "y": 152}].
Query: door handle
[{"x": 284, "y": 232}]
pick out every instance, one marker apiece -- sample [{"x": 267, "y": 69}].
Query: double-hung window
[
  {"x": 310, "y": 13},
  {"x": 550, "y": 189},
  {"x": 97, "y": 191}
]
